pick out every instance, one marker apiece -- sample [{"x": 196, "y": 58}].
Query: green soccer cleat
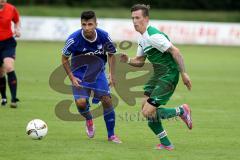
[
  {"x": 186, "y": 117},
  {"x": 161, "y": 146}
]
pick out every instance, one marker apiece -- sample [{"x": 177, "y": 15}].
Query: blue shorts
[
  {"x": 99, "y": 88},
  {"x": 7, "y": 49}
]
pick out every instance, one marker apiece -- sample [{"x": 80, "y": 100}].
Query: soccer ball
[{"x": 37, "y": 129}]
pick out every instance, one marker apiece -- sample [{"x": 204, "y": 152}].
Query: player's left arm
[
  {"x": 160, "y": 42},
  {"x": 110, "y": 50},
  {"x": 179, "y": 60},
  {"x": 112, "y": 65}
]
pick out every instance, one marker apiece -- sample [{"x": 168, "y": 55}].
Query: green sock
[
  {"x": 165, "y": 113},
  {"x": 181, "y": 111},
  {"x": 157, "y": 128}
]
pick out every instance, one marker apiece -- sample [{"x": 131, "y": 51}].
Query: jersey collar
[
  {"x": 146, "y": 29},
  {"x": 88, "y": 39}
]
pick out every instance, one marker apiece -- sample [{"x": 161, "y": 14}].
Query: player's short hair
[
  {"x": 86, "y": 15},
  {"x": 143, "y": 7}
]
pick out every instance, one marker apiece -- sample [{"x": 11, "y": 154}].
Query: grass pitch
[{"x": 214, "y": 100}]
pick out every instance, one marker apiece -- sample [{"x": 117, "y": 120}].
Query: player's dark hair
[
  {"x": 143, "y": 7},
  {"x": 86, "y": 15}
]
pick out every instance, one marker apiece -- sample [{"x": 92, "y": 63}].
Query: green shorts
[{"x": 161, "y": 87}]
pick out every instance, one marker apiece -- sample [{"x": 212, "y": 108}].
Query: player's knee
[
  {"x": 106, "y": 101},
  {"x": 143, "y": 103},
  {"x": 145, "y": 113},
  {"x": 81, "y": 103},
  {"x": 144, "y": 100},
  {"x": 9, "y": 64},
  {"x": 9, "y": 68},
  {"x": 148, "y": 111}
]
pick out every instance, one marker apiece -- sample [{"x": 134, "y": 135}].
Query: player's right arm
[
  {"x": 65, "y": 62},
  {"x": 66, "y": 53},
  {"x": 137, "y": 61}
]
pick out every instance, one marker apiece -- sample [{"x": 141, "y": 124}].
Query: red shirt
[{"x": 8, "y": 14}]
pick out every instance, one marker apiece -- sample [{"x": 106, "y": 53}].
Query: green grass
[
  {"x": 188, "y": 15},
  {"x": 214, "y": 100}
]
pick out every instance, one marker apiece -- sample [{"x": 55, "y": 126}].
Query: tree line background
[{"x": 161, "y": 4}]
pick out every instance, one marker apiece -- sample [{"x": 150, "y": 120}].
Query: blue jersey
[
  {"x": 77, "y": 45},
  {"x": 87, "y": 54}
]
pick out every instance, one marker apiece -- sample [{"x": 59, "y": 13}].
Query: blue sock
[
  {"x": 109, "y": 117},
  {"x": 85, "y": 112}
]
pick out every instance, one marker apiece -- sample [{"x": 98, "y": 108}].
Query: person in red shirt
[{"x": 8, "y": 15}]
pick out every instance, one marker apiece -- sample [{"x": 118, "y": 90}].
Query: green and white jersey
[{"x": 153, "y": 44}]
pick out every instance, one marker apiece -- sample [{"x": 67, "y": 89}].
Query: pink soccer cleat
[
  {"x": 114, "y": 139},
  {"x": 90, "y": 129},
  {"x": 161, "y": 146},
  {"x": 186, "y": 117}
]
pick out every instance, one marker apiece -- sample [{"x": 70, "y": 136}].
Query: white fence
[{"x": 180, "y": 32}]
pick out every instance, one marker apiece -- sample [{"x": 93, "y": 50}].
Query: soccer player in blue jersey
[{"x": 90, "y": 48}]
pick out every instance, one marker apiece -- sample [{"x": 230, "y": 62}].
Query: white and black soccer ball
[{"x": 37, "y": 129}]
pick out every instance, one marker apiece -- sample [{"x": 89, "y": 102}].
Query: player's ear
[{"x": 147, "y": 18}]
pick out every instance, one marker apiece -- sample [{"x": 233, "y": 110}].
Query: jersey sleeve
[
  {"x": 15, "y": 18},
  {"x": 109, "y": 45},
  {"x": 140, "y": 51},
  {"x": 160, "y": 42},
  {"x": 67, "y": 50}
]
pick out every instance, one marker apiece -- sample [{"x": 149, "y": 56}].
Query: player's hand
[
  {"x": 112, "y": 81},
  {"x": 123, "y": 58},
  {"x": 17, "y": 33},
  {"x": 186, "y": 80},
  {"x": 76, "y": 81}
]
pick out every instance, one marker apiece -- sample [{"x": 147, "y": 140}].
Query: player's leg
[
  {"x": 8, "y": 60},
  {"x": 154, "y": 123},
  {"x": 83, "y": 107},
  {"x": 2, "y": 74},
  {"x": 3, "y": 86},
  {"x": 160, "y": 96},
  {"x": 150, "y": 110},
  {"x": 109, "y": 118},
  {"x": 12, "y": 80},
  {"x": 81, "y": 96},
  {"x": 156, "y": 126},
  {"x": 102, "y": 92}
]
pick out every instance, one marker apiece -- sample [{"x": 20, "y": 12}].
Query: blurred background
[
  {"x": 214, "y": 10},
  {"x": 166, "y": 4},
  {"x": 177, "y": 18}
]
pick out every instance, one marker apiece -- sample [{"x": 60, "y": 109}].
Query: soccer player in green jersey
[{"x": 167, "y": 65}]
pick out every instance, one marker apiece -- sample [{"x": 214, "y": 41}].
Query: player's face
[
  {"x": 139, "y": 21},
  {"x": 2, "y": 3},
  {"x": 89, "y": 27}
]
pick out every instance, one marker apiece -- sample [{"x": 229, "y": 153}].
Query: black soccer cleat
[
  {"x": 4, "y": 102},
  {"x": 14, "y": 103}
]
